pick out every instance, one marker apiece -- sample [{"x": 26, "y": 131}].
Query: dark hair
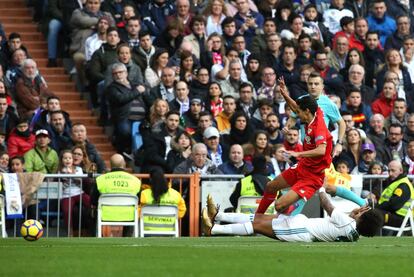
[
  {"x": 370, "y": 223},
  {"x": 112, "y": 29},
  {"x": 303, "y": 36},
  {"x": 345, "y": 113},
  {"x": 345, "y": 21},
  {"x": 373, "y": 33},
  {"x": 350, "y": 89},
  {"x": 197, "y": 18},
  {"x": 134, "y": 18},
  {"x": 52, "y": 98},
  {"x": 227, "y": 21},
  {"x": 361, "y": 58},
  {"x": 307, "y": 102},
  {"x": 143, "y": 33},
  {"x": 159, "y": 184},
  {"x": 14, "y": 35},
  {"x": 172, "y": 112},
  {"x": 154, "y": 58},
  {"x": 245, "y": 85},
  {"x": 396, "y": 125},
  {"x": 205, "y": 113},
  {"x": 57, "y": 112}
]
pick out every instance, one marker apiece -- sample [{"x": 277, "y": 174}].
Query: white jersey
[{"x": 299, "y": 228}]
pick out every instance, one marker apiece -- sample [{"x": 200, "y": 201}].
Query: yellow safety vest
[
  {"x": 160, "y": 223},
  {"x": 389, "y": 191},
  {"x": 248, "y": 189},
  {"x": 118, "y": 182}
]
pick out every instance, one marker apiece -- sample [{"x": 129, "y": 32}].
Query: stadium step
[{"x": 16, "y": 17}]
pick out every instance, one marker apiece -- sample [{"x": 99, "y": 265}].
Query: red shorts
[{"x": 303, "y": 182}]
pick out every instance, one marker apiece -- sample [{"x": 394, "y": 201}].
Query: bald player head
[{"x": 117, "y": 161}]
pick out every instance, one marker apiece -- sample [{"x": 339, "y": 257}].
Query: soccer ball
[{"x": 31, "y": 230}]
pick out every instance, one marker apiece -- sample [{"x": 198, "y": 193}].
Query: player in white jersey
[{"x": 299, "y": 228}]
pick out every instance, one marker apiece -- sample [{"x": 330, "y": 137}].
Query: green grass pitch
[{"x": 217, "y": 256}]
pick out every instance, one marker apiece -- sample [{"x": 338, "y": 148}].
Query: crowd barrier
[{"x": 195, "y": 188}]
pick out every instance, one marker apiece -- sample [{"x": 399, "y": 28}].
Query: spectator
[
  {"x": 235, "y": 165},
  {"x": 374, "y": 57},
  {"x": 29, "y": 88},
  {"x": 198, "y": 162},
  {"x": 158, "y": 112},
  {"x": 79, "y": 136},
  {"x": 183, "y": 14},
  {"x": 361, "y": 30},
  {"x": 354, "y": 56},
  {"x": 214, "y": 103},
  {"x": 215, "y": 12},
  {"x": 171, "y": 38},
  {"x": 81, "y": 159},
  {"x": 143, "y": 53},
  {"x": 164, "y": 90},
  {"x": 13, "y": 43},
  {"x": 264, "y": 108},
  {"x": 182, "y": 102},
  {"x": 187, "y": 67},
  {"x": 15, "y": 69},
  {"x": 41, "y": 158},
  {"x": 348, "y": 31},
  {"x": 368, "y": 156},
  {"x": 373, "y": 186},
  {"x": 291, "y": 140},
  {"x": 247, "y": 20},
  {"x": 279, "y": 161},
  {"x": 377, "y": 132},
  {"x": 350, "y": 123},
  {"x": 217, "y": 152},
  {"x": 356, "y": 77},
  {"x": 359, "y": 8},
  {"x": 20, "y": 139},
  {"x": 95, "y": 41},
  {"x": 259, "y": 45},
  {"x": 55, "y": 26},
  {"x": 254, "y": 70},
  {"x": 199, "y": 87},
  {"x": 160, "y": 193},
  {"x": 272, "y": 126},
  {"x": 8, "y": 119},
  {"x": 399, "y": 114},
  {"x": 155, "y": 13},
  {"x": 190, "y": 118},
  {"x": 379, "y": 21},
  {"x": 385, "y": 102},
  {"x": 332, "y": 16},
  {"x": 300, "y": 88},
  {"x": 270, "y": 57},
  {"x": 105, "y": 184},
  {"x": 407, "y": 54},
  {"x": 352, "y": 151},
  {"x": 158, "y": 62},
  {"x": 231, "y": 85},
  {"x": 239, "y": 44},
  {"x": 287, "y": 68},
  {"x": 180, "y": 150},
  {"x": 59, "y": 131},
  {"x": 393, "y": 62},
  {"x": 246, "y": 102},
  {"x": 228, "y": 25},
  {"x": 43, "y": 117},
  {"x": 158, "y": 143},
  {"x": 116, "y": 9},
  {"x": 258, "y": 145},
  {"x": 126, "y": 106},
  {"x": 205, "y": 121},
  {"x": 253, "y": 184},
  {"x": 394, "y": 148},
  {"x": 268, "y": 84},
  {"x": 395, "y": 41},
  {"x": 408, "y": 161},
  {"x": 17, "y": 164},
  {"x": 305, "y": 51},
  {"x": 83, "y": 23},
  {"x": 313, "y": 20},
  {"x": 337, "y": 57},
  {"x": 332, "y": 81},
  {"x": 409, "y": 131},
  {"x": 197, "y": 38},
  {"x": 215, "y": 52},
  {"x": 223, "y": 118},
  {"x": 4, "y": 162},
  {"x": 72, "y": 194},
  {"x": 401, "y": 92},
  {"x": 360, "y": 111}
]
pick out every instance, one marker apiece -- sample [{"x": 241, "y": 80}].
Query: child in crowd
[
  {"x": 373, "y": 187},
  {"x": 72, "y": 189},
  {"x": 4, "y": 162},
  {"x": 17, "y": 164},
  {"x": 279, "y": 161}
]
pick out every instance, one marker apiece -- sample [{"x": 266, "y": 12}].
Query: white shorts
[{"x": 291, "y": 228}]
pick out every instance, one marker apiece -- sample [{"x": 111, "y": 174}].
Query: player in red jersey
[{"x": 308, "y": 174}]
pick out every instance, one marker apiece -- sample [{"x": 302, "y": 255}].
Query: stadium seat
[
  {"x": 404, "y": 226},
  {"x": 117, "y": 200},
  {"x": 165, "y": 227},
  {"x": 249, "y": 204},
  {"x": 2, "y": 217}
]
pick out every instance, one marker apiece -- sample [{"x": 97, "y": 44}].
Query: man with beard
[
  {"x": 59, "y": 131},
  {"x": 272, "y": 126}
]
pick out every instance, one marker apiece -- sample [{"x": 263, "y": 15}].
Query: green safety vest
[
  {"x": 160, "y": 223},
  {"x": 118, "y": 182},
  {"x": 248, "y": 189},
  {"x": 389, "y": 191}
]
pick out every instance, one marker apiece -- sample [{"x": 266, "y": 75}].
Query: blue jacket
[
  {"x": 385, "y": 26},
  {"x": 155, "y": 17},
  {"x": 251, "y": 32}
]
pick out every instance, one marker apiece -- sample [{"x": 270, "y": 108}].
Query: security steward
[
  {"x": 395, "y": 200},
  {"x": 116, "y": 181},
  {"x": 252, "y": 185}
]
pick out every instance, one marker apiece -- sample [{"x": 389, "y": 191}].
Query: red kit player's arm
[{"x": 318, "y": 151}]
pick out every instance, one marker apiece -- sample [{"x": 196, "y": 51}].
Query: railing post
[{"x": 194, "y": 210}]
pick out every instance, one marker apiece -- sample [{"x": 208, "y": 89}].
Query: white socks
[
  {"x": 240, "y": 229},
  {"x": 234, "y": 217}
]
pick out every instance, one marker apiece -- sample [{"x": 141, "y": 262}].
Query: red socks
[{"x": 267, "y": 199}]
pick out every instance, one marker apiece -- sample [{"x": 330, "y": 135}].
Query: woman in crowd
[
  {"x": 215, "y": 52},
  {"x": 352, "y": 149},
  {"x": 354, "y": 57},
  {"x": 171, "y": 38},
  {"x": 180, "y": 150},
  {"x": 214, "y": 103},
  {"x": 240, "y": 131},
  {"x": 254, "y": 71},
  {"x": 187, "y": 67},
  {"x": 157, "y": 63},
  {"x": 215, "y": 12}
]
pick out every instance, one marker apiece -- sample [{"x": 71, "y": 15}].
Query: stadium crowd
[{"x": 196, "y": 82}]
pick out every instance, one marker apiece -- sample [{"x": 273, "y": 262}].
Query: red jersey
[{"x": 317, "y": 133}]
